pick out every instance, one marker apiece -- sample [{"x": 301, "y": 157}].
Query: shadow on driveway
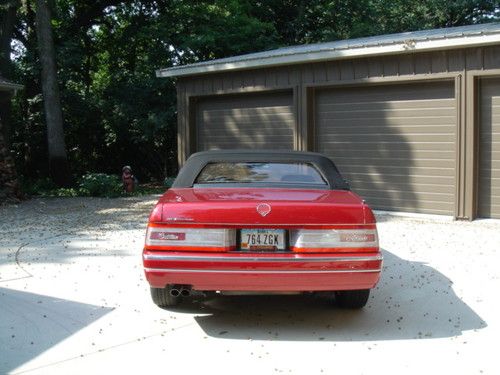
[
  {"x": 31, "y": 323},
  {"x": 412, "y": 301}
]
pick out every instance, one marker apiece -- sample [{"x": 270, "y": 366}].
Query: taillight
[
  {"x": 190, "y": 239},
  {"x": 333, "y": 240},
  {"x": 156, "y": 214}
]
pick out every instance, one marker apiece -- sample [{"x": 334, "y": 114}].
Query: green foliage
[
  {"x": 64, "y": 192},
  {"x": 312, "y": 21},
  {"x": 40, "y": 186},
  {"x": 100, "y": 185},
  {"x": 219, "y": 28},
  {"x": 150, "y": 189},
  {"x": 90, "y": 185},
  {"x": 118, "y": 113},
  {"x": 168, "y": 182}
]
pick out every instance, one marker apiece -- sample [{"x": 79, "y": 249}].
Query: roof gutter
[{"x": 406, "y": 46}]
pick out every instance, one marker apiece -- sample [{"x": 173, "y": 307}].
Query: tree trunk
[{"x": 58, "y": 161}]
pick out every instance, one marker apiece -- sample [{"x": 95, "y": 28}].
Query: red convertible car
[{"x": 266, "y": 221}]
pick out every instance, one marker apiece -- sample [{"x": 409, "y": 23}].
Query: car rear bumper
[{"x": 263, "y": 272}]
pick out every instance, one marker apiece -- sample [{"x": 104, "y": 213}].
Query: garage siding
[
  {"x": 394, "y": 143},
  {"x": 489, "y": 150},
  {"x": 257, "y": 121}
]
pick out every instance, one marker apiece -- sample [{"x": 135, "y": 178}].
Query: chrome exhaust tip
[
  {"x": 175, "y": 292},
  {"x": 185, "y": 292}
]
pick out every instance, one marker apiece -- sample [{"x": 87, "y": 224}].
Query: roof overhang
[
  {"x": 9, "y": 86},
  {"x": 451, "y": 38}
]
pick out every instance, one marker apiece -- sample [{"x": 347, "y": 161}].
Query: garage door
[
  {"x": 394, "y": 143},
  {"x": 263, "y": 121},
  {"x": 489, "y": 152}
]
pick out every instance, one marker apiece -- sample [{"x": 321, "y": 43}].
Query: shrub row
[{"x": 92, "y": 185}]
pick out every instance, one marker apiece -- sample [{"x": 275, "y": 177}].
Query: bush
[
  {"x": 100, "y": 185},
  {"x": 38, "y": 187},
  {"x": 93, "y": 185},
  {"x": 64, "y": 192}
]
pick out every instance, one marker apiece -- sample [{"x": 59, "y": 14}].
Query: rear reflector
[
  {"x": 167, "y": 236},
  {"x": 191, "y": 239},
  {"x": 311, "y": 240}
]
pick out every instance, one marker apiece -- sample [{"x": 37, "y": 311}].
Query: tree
[
  {"x": 313, "y": 21},
  {"x": 7, "y": 23},
  {"x": 58, "y": 161},
  {"x": 116, "y": 112},
  {"x": 9, "y": 187}
]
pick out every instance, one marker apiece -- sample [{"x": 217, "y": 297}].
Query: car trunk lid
[{"x": 263, "y": 207}]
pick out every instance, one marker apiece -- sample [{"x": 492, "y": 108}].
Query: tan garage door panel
[
  {"x": 394, "y": 143},
  {"x": 262, "y": 121},
  {"x": 489, "y": 153}
]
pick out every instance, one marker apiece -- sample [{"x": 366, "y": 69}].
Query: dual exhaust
[{"x": 180, "y": 291}]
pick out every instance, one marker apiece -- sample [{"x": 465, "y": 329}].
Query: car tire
[
  {"x": 352, "y": 299},
  {"x": 163, "y": 298}
]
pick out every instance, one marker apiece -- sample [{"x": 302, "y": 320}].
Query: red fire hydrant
[{"x": 128, "y": 179}]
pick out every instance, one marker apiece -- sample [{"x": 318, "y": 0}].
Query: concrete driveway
[{"x": 73, "y": 300}]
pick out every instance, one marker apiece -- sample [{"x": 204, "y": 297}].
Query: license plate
[{"x": 262, "y": 239}]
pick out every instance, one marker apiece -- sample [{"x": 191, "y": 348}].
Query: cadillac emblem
[{"x": 263, "y": 209}]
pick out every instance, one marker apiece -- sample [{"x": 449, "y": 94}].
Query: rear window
[{"x": 260, "y": 173}]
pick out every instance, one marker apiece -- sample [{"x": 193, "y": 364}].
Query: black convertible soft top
[{"x": 199, "y": 160}]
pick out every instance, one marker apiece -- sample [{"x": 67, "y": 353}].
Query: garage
[
  {"x": 261, "y": 121},
  {"x": 489, "y": 149},
  {"x": 394, "y": 143},
  {"x": 412, "y": 120}
]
